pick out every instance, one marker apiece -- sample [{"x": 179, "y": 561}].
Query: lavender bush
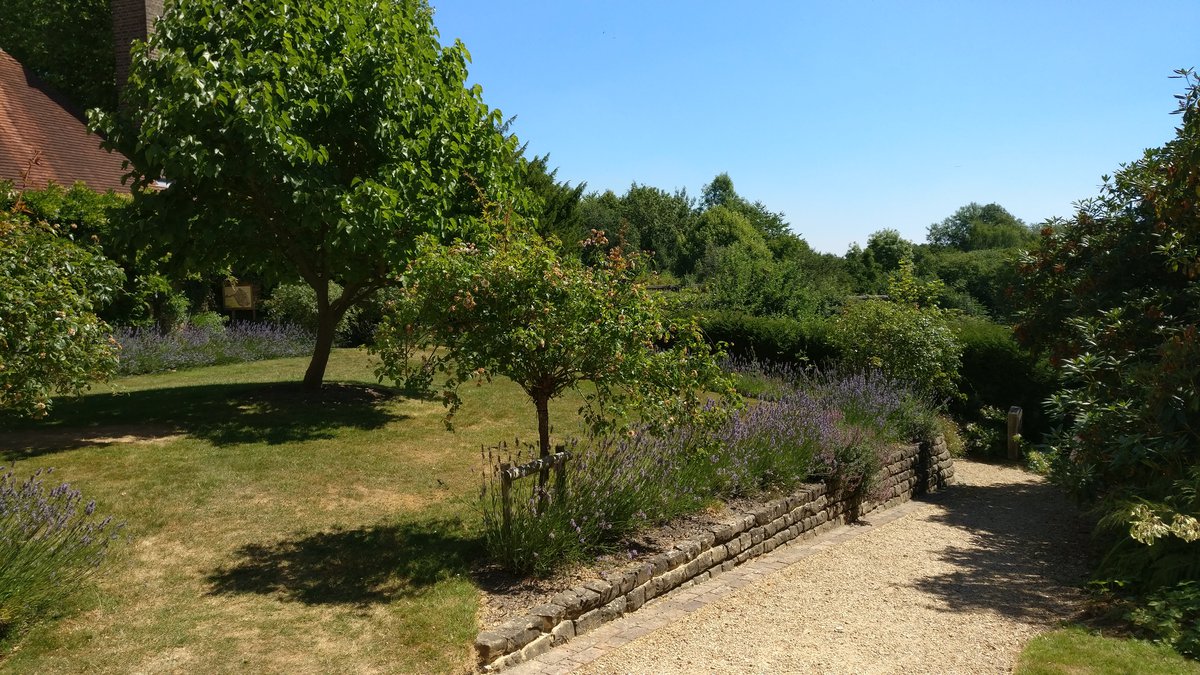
[
  {"x": 50, "y": 541},
  {"x": 150, "y": 351},
  {"x": 809, "y": 427}
]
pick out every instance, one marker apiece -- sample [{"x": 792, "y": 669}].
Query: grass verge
[{"x": 1077, "y": 651}]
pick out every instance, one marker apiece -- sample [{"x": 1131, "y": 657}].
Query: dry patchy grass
[{"x": 269, "y": 530}]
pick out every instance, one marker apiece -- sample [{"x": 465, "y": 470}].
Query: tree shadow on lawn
[
  {"x": 223, "y": 414},
  {"x": 1029, "y": 557},
  {"x": 360, "y": 567}
]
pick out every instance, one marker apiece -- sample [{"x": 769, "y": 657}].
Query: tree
[
  {"x": 557, "y": 211},
  {"x": 974, "y": 227},
  {"x": 882, "y": 256},
  {"x": 67, "y": 43},
  {"x": 720, "y": 192},
  {"x": 314, "y": 140},
  {"x": 515, "y": 308},
  {"x": 661, "y": 220},
  {"x": 1113, "y": 296},
  {"x": 51, "y": 341}
]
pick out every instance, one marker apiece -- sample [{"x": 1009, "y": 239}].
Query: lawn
[
  {"x": 1076, "y": 651},
  {"x": 268, "y": 530}
]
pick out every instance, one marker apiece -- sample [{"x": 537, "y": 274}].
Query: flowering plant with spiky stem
[{"x": 50, "y": 541}]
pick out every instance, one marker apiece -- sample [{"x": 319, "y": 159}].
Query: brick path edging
[{"x": 910, "y": 470}]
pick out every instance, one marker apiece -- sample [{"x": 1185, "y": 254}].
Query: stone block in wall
[
  {"x": 538, "y": 647},
  {"x": 516, "y": 633},
  {"x": 588, "y": 622},
  {"x": 756, "y": 535},
  {"x": 660, "y": 563},
  {"x": 588, "y": 599},
  {"x": 491, "y": 645},
  {"x": 614, "y": 610},
  {"x": 506, "y": 661},
  {"x": 644, "y": 573},
  {"x": 772, "y": 527},
  {"x": 689, "y": 547},
  {"x": 635, "y": 598},
  {"x": 603, "y": 589},
  {"x": 627, "y": 582},
  {"x": 563, "y": 632},
  {"x": 718, "y": 553},
  {"x": 568, "y": 601},
  {"x": 675, "y": 558},
  {"x": 723, "y": 534},
  {"x": 550, "y": 615}
]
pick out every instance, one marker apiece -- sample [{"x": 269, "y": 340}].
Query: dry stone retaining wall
[{"x": 910, "y": 470}]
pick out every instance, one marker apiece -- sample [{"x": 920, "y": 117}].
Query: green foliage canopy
[
  {"x": 317, "y": 140},
  {"x": 67, "y": 43},
  {"x": 974, "y": 227},
  {"x": 516, "y": 308}
]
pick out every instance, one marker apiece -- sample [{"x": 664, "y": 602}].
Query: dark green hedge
[
  {"x": 776, "y": 339},
  {"x": 997, "y": 372}
]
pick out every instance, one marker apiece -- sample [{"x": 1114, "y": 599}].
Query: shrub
[
  {"x": 50, "y": 541},
  {"x": 820, "y": 427},
  {"x": 146, "y": 350},
  {"x": 1172, "y": 616},
  {"x": 212, "y": 322},
  {"x": 296, "y": 304},
  {"x": 51, "y": 340},
  {"x": 906, "y": 343}
]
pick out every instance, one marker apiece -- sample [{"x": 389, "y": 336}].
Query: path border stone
[{"x": 910, "y": 470}]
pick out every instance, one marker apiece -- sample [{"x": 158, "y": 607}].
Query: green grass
[
  {"x": 1076, "y": 651},
  {"x": 271, "y": 530}
]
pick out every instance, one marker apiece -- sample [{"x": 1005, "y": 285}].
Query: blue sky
[{"x": 848, "y": 117}]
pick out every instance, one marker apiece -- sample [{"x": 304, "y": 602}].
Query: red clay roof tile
[{"x": 34, "y": 119}]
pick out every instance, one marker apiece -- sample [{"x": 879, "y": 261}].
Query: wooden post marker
[{"x": 1014, "y": 429}]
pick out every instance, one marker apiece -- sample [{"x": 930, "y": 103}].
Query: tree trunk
[
  {"x": 543, "y": 413},
  {"x": 315, "y": 375},
  {"x": 327, "y": 320}
]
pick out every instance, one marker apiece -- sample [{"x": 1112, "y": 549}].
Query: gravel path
[{"x": 957, "y": 583}]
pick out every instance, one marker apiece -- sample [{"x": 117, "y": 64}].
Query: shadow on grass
[
  {"x": 225, "y": 414},
  {"x": 1028, "y": 557},
  {"x": 355, "y": 567}
]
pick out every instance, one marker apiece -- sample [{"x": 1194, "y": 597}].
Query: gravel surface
[{"x": 956, "y": 585}]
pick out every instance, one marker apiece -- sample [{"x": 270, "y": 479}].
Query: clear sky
[{"x": 848, "y": 117}]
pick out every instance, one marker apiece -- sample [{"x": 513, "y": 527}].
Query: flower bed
[{"x": 146, "y": 350}]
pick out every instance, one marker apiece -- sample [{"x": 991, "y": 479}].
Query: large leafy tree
[
  {"x": 1113, "y": 296},
  {"x": 316, "y": 140},
  {"x": 51, "y": 341},
  {"x": 974, "y": 227}
]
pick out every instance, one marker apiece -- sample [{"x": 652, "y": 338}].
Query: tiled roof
[{"x": 33, "y": 119}]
